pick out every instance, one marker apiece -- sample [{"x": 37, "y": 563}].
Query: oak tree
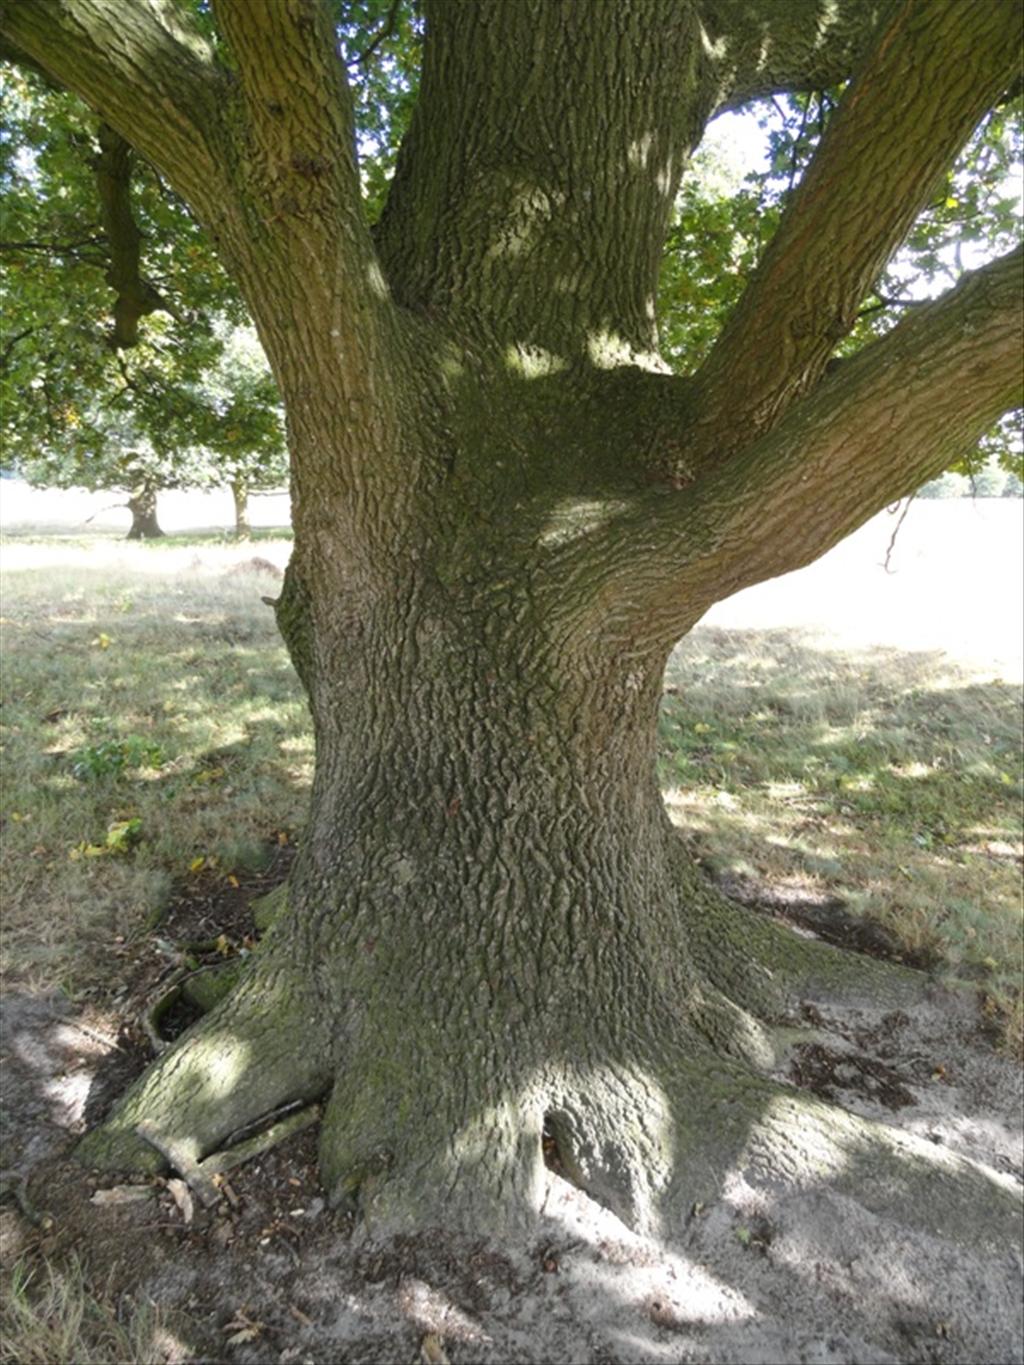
[{"x": 507, "y": 510}]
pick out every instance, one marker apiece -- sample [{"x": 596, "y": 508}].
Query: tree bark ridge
[{"x": 758, "y": 48}]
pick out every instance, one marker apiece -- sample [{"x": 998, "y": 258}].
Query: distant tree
[
  {"x": 988, "y": 482},
  {"x": 945, "y": 486},
  {"x": 221, "y": 428},
  {"x": 127, "y": 360}
]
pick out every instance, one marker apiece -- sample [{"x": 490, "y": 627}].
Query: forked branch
[
  {"x": 890, "y": 418},
  {"x": 762, "y": 47},
  {"x": 145, "y": 68},
  {"x": 135, "y": 296},
  {"x": 934, "y": 71}
]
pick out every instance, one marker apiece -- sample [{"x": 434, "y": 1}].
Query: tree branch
[
  {"x": 896, "y": 415},
  {"x": 11, "y": 341},
  {"x": 144, "y": 68},
  {"x": 763, "y": 47},
  {"x": 302, "y": 252},
  {"x": 296, "y": 170},
  {"x": 135, "y": 297},
  {"x": 891, "y": 418},
  {"x": 501, "y": 181},
  {"x": 299, "y": 112},
  {"x": 73, "y": 249},
  {"x": 935, "y": 69},
  {"x": 385, "y": 31}
]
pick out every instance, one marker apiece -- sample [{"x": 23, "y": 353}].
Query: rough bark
[
  {"x": 759, "y": 48},
  {"x": 142, "y": 505},
  {"x": 506, "y": 512},
  {"x": 492, "y": 930}
]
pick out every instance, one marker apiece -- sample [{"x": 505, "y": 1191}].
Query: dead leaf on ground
[
  {"x": 243, "y": 1328},
  {"x": 182, "y": 1196},
  {"x": 122, "y": 1194}
]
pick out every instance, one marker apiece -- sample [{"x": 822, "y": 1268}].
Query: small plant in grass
[
  {"x": 121, "y": 837},
  {"x": 245, "y": 855},
  {"x": 113, "y": 756}
]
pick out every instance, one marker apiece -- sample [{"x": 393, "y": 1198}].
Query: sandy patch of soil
[{"x": 761, "y": 1274}]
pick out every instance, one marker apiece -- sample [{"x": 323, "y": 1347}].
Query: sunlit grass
[
  {"x": 888, "y": 780},
  {"x": 149, "y": 683},
  {"x": 136, "y": 688}
]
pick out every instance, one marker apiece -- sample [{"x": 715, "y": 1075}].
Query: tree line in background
[
  {"x": 989, "y": 482},
  {"x": 129, "y": 362}
]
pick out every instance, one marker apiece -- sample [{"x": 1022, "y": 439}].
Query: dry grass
[
  {"x": 139, "y": 685},
  {"x": 52, "y": 1315},
  {"x": 148, "y": 684},
  {"x": 888, "y": 780}
]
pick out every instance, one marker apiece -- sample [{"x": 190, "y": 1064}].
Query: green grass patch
[
  {"x": 151, "y": 717},
  {"x": 890, "y": 780}
]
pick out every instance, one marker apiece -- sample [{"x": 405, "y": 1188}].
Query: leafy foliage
[
  {"x": 189, "y": 406},
  {"x": 382, "y": 43},
  {"x": 192, "y": 402}
]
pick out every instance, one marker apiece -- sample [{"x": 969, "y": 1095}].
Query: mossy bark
[{"x": 506, "y": 511}]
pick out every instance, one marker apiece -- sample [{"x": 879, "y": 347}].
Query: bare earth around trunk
[
  {"x": 760, "y": 1273},
  {"x": 507, "y": 510}
]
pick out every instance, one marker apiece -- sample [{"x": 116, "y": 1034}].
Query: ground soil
[{"x": 272, "y": 1274}]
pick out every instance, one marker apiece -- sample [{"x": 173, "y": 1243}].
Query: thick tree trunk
[
  {"x": 142, "y": 505},
  {"x": 506, "y": 512},
  {"x": 492, "y": 930},
  {"x": 483, "y": 935},
  {"x": 240, "y": 496}
]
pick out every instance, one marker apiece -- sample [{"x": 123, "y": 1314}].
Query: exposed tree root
[
  {"x": 253, "y": 1053},
  {"x": 435, "y": 1118},
  {"x": 155, "y": 1009},
  {"x": 766, "y": 967},
  {"x": 15, "y": 1184},
  {"x": 202, "y": 1176},
  {"x": 266, "y": 909},
  {"x": 650, "y": 1143}
]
